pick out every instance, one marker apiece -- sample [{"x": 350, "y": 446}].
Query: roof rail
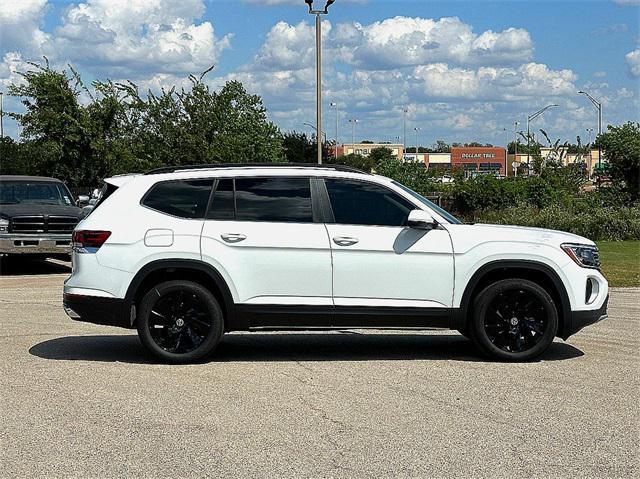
[{"x": 212, "y": 166}]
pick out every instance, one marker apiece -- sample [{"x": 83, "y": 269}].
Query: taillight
[{"x": 86, "y": 241}]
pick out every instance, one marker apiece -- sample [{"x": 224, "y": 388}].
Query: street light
[
  {"x": 515, "y": 146},
  {"x": 317, "y": 13},
  {"x": 417, "y": 129},
  {"x": 316, "y": 130},
  {"x": 590, "y": 131},
  {"x": 335, "y": 105},
  {"x": 530, "y": 118},
  {"x": 404, "y": 129},
  {"x": 598, "y": 106},
  {"x": 1, "y": 117},
  {"x": 353, "y": 122}
]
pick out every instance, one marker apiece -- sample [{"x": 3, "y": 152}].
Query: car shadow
[
  {"x": 18, "y": 266},
  {"x": 249, "y": 347}
]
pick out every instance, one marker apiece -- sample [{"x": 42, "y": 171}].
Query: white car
[{"x": 186, "y": 254}]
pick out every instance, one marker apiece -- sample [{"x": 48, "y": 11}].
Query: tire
[
  {"x": 513, "y": 320},
  {"x": 180, "y": 321}
]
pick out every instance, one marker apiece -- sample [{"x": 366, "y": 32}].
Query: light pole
[
  {"x": 1, "y": 118},
  {"x": 353, "y": 122},
  {"x": 590, "y": 131},
  {"x": 404, "y": 130},
  {"x": 335, "y": 105},
  {"x": 317, "y": 13},
  {"x": 530, "y": 118},
  {"x": 598, "y": 105},
  {"x": 314, "y": 127},
  {"x": 417, "y": 129},
  {"x": 515, "y": 146}
]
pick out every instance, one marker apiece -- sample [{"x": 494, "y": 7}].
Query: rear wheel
[
  {"x": 514, "y": 320},
  {"x": 180, "y": 321}
]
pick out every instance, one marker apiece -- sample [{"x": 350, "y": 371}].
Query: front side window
[
  {"x": 183, "y": 198},
  {"x": 275, "y": 199},
  {"x": 362, "y": 203}
]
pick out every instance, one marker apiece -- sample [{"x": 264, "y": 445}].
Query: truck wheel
[
  {"x": 514, "y": 320},
  {"x": 180, "y": 321}
]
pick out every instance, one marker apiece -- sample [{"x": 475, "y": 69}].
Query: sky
[{"x": 464, "y": 71}]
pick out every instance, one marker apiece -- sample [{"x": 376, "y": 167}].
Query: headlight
[
  {"x": 584, "y": 255},
  {"x": 4, "y": 225}
]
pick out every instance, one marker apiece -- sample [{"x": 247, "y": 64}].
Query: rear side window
[
  {"x": 184, "y": 198},
  {"x": 283, "y": 200},
  {"x": 363, "y": 203}
]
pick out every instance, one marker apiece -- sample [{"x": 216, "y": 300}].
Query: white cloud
[
  {"x": 139, "y": 37},
  {"x": 506, "y": 84},
  {"x": 317, "y": 4},
  {"x": 600, "y": 74},
  {"x": 288, "y": 47},
  {"x": 407, "y": 41},
  {"x": 20, "y": 26},
  {"x": 633, "y": 62}
]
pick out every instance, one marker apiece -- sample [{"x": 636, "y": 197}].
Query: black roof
[
  {"x": 173, "y": 169},
  {"x": 28, "y": 178}
]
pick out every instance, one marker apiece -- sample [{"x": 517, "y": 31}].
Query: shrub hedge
[{"x": 612, "y": 223}]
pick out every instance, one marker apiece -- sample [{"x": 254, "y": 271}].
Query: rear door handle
[
  {"x": 233, "y": 237},
  {"x": 344, "y": 241}
]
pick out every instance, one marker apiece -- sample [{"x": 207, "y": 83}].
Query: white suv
[{"x": 186, "y": 254}]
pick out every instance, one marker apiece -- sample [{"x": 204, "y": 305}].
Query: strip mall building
[{"x": 473, "y": 160}]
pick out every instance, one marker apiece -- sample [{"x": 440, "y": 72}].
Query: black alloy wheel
[
  {"x": 514, "y": 320},
  {"x": 180, "y": 321}
]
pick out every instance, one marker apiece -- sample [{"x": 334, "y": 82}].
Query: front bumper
[
  {"x": 35, "y": 244},
  {"x": 581, "y": 319},
  {"x": 96, "y": 310}
]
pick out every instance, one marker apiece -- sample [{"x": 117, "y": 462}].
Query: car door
[
  {"x": 377, "y": 260},
  {"x": 265, "y": 237}
]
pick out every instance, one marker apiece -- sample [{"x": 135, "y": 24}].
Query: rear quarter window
[{"x": 181, "y": 198}]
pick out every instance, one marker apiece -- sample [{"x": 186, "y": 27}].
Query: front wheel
[
  {"x": 180, "y": 321},
  {"x": 514, "y": 320}
]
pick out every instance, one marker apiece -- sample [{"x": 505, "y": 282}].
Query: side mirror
[
  {"x": 83, "y": 200},
  {"x": 86, "y": 210},
  {"x": 422, "y": 220}
]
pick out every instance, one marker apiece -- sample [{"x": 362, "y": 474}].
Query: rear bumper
[
  {"x": 35, "y": 244},
  {"x": 581, "y": 319},
  {"x": 96, "y": 310}
]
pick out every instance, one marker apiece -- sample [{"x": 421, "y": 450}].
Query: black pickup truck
[{"x": 37, "y": 216}]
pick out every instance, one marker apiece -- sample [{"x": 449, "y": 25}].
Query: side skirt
[{"x": 283, "y": 317}]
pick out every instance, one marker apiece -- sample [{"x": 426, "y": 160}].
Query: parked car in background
[
  {"x": 187, "y": 254},
  {"x": 37, "y": 216}
]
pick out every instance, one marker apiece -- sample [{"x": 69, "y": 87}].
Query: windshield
[
  {"x": 445, "y": 214},
  {"x": 34, "y": 193}
]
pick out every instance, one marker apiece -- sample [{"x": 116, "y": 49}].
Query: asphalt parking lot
[{"x": 79, "y": 400}]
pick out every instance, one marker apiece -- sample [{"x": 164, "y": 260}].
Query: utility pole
[
  {"x": 317, "y": 13},
  {"x": 598, "y": 105},
  {"x": 417, "y": 129},
  {"x": 335, "y": 105}
]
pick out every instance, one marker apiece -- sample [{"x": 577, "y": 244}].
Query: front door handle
[
  {"x": 233, "y": 237},
  {"x": 344, "y": 241}
]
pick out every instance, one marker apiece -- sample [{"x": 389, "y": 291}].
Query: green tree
[
  {"x": 621, "y": 149},
  {"x": 63, "y": 138},
  {"x": 299, "y": 148}
]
